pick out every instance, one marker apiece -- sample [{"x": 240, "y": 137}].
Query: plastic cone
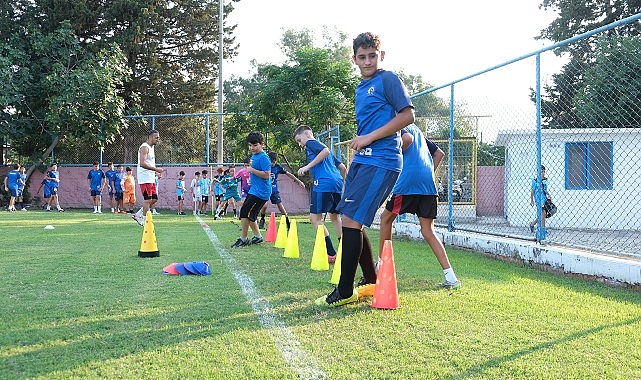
[
  {"x": 319, "y": 256},
  {"x": 336, "y": 273},
  {"x": 148, "y": 245},
  {"x": 281, "y": 236},
  {"x": 386, "y": 290},
  {"x": 291, "y": 248},
  {"x": 270, "y": 236}
]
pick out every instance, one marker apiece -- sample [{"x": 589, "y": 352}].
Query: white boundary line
[{"x": 290, "y": 348}]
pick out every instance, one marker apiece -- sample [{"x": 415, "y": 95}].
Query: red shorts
[{"x": 148, "y": 191}]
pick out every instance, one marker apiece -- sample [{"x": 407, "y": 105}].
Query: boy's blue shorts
[
  {"x": 324, "y": 202},
  {"x": 366, "y": 188}
]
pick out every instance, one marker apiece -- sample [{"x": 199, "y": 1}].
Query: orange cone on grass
[
  {"x": 270, "y": 236},
  {"x": 336, "y": 273},
  {"x": 148, "y": 244},
  {"x": 319, "y": 256},
  {"x": 281, "y": 236},
  {"x": 386, "y": 290},
  {"x": 291, "y": 248}
]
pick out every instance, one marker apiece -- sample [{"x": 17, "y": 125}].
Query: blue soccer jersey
[
  {"x": 327, "y": 177},
  {"x": 378, "y": 100},
  {"x": 417, "y": 177},
  {"x": 111, "y": 176},
  {"x": 12, "y": 179},
  {"x": 96, "y": 177},
  {"x": 53, "y": 174},
  {"x": 204, "y": 184},
  {"x": 180, "y": 188},
  {"x": 275, "y": 171},
  {"x": 262, "y": 188}
]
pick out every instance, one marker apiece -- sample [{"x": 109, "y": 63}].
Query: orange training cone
[
  {"x": 270, "y": 236},
  {"x": 281, "y": 236},
  {"x": 148, "y": 245},
  {"x": 291, "y": 248},
  {"x": 336, "y": 273},
  {"x": 386, "y": 291},
  {"x": 319, "y": 256}
]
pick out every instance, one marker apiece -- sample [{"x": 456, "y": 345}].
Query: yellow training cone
[
  {"x": 281, "y": 236},
  {"x": 319, "y": 257},
  {"x": 148, "y": 245},
  {"x": 291, "y": 248},
  {"x": 336, "y": 273}
]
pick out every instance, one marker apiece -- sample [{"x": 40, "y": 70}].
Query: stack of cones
[
  {"x": 281, "y": 236},
  {"x": 148, "y": 245},
  {"x": 386, "y": 290},
  {"x": 336, "y": 273},
  {"x": 319, "y": 257},
  {"x": 270, "y": 236},
  {"x": 291, "y": 246}
]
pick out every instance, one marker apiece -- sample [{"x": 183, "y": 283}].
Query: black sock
[
  {"x": 367, "y": 261},
  {"x": 352, "y": 247},
  {"x": 330, "y": 247},
  {"x": 287, "y": 221},
  {"x": 262, "y": 216}
]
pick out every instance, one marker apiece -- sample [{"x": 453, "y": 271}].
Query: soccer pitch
[{"x": 78, "y": 302}]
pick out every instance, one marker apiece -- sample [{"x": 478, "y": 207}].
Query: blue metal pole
[
  {"x": 540, "y": 235},
  {"x": 207, "y": 139},
  {"x": 450, "y": 179}
]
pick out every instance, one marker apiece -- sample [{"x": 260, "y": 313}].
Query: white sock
[
  {"x": 449, "y": 275},
  {"x": 139, "y": 213}
]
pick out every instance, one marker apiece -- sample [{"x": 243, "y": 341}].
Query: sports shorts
[
  {"x": 323, "y": 202},
  {"x": 423, "y": 206}
]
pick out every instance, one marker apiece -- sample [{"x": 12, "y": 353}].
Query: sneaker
[
  {"x": 261, "y": 224},
  {"x": 94, "y": 211},
  {"x": 240, "y": 243},
  {"x": 112, "y": 209},
  {"x": 256, "y": 240},
  {"x": 331, "y": 259},
  {"x": 450, "y": 285},
  {"x": 154, "y": 212},
  {"x": 334, "y": 299},
  {"x": 365, "y": 289},
  {"x": 138, "y": 219},
  {"x": 23, "y": 209},
  {"x": 59, "y": 210}
]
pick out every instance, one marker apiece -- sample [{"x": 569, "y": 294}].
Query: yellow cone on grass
[
  {"x": 281, "y": 236},
  {"x": 148, "y": 244},
  {"x": 319, "y": 256},
  {"x": 336, "y": 273},
  {"x": 291, "y": 248}
]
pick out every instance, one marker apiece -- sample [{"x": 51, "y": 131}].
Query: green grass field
[{"x": 77, "y": 302}]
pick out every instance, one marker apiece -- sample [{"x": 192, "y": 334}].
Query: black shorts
[
  {"x": 204, "y": 199},
  {"x": 251, "y": 207},
  {"x": 181, "y": 197},
  {"x": 219, "y": 197},
  {"x": 118, "y": 196},
  {"x": 423, "y": 206}
]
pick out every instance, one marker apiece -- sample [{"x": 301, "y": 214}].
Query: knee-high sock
[
  {"x": 367, "y": 261},
  {"x": 352, "y": 247}
]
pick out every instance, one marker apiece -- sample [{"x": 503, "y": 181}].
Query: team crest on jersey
[{"x": 371, "y": 91}]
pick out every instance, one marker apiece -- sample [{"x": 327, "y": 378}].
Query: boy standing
[
  {"x": 111, "y": 174},
  {"x": 383, "y": 107},
  {"x": 277, "y": 169},
  {"x": 415, "y": 193},
  {"x": 195, "y": 192},
  {"x": 148, "y": 174},
  {"x": 11, "y": 184},
  {"x": 205, "y": 189},
  {"x": 243, "y": 174},
  {"x": 180, "y": 191},
  {"x": 327, "y": 176},
  {"x": 218, "y": 189},
  {"x": 53, "y": 177},
  {"x": 230, "y": 185},
  {"x": 96, "y": 180},
  {"x": 129, "y": 187},
  {"x": 118, "y": 189},
  {"x": 261, "y": 188},
  {"x": 21, "y": 185}
]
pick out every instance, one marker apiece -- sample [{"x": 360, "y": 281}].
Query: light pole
[{"x": 221, "y": 3}]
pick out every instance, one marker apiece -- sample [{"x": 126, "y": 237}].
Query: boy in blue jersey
[
  {"x": 230, "y": 186},
  {"x": 11, "y": 184},
  {"x": 383, "y": 107},
  {"x": 538, "y": 196},
  {"x": 53, "y": 182},
  {"x": 327, "y": 175},
  {"x": 97, "y": 181},
  {"x": 204, "y": 184},
  {"x": 119, "y": 190},
  {"x": 180, "y": 191},
  {"x": 218, "y": 189},
  {"x": 275, "y": 198},
  {"x": 21, "y": 186},
  {"x": 415, "y": 193},
  {"x": 110, "y": 175},
  {"x": 260, "y": 191}
]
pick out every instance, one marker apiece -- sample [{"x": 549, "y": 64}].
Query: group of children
[
  {"x": 121, "y": 186},
  {"x": 223, "y": 186}
]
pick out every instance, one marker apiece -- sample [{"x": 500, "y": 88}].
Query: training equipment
[
  {"x": 49, "y": 227},
  {"x": 281, "y": 237},
  {"x": 270, "y": 236},
  {"x": 170, "y": 269},
  {"x": 148, "y": 244},
  {"x": 319, "y": 256},
  {"x": 386, "y": 290},
  {"x": 336, "y": 273},
  {"x": 291, "y": 247}
]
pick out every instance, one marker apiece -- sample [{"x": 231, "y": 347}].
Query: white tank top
[{"x": 145, "y": 175}]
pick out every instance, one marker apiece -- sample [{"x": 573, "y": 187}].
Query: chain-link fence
[{"x": 576, "y": 114}]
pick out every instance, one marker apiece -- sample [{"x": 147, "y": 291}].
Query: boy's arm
[
  {"x": 264, "y": 174},
  {"x": 300, "y": 183},
  {"x": 402, "y": 119},
  {"x": 343, "y": 169},
  {"x": 317, "y": 160}
]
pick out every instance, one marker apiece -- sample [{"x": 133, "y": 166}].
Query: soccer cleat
[
  {"x": 154, "y": 212},
  {"x": 240, "y": 243},
  {"x": 365, "y": 289},
  {"x": 23, "y": 209},
  {"x": 450, "y": 285},
  {"x": 256, "y": 240},
  {"x": 331, "y": 259},
  {"x": 334, "y": 299},
  {"x": 60, "y": 209},
  {"x": 138, "y": 219}
]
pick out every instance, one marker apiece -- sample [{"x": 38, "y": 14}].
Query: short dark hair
[
  {"x": 366, "y": 40},
  {"x": 128, "y": 169},
  {"x": 109, "y": 163},
  {"x": 301, "y": 129},
  {"x": 197, "y": 173},
  {"x": 181, "y": 173},
  {"x": 151, "y": 132},
  {"x": 255, "y": 137},
  {"x": 204, "y": 172},
  {"x": 96, "y": 163},
  {"x": 273, "y": 156}
]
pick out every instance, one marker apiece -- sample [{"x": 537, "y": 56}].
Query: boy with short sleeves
[
  {"x": 118, "y": 190},
  {"x": 260, "y": 191},
  {"x": 111, "y": 174},
  {"x": 97, "y": 181},
  {"x": 327, "y": 175},
  {"x": 195, "y": 192},
  {"x": 180, "y": 191},
  {"x": 275, "y": 198},
  {"x": 53, "y": 177},
  {"x": 129, "y": 187},
  {"x": 205, "y": 189},
  {"x": 11, "y": 185},
  {"x": 383, "y": 107}
]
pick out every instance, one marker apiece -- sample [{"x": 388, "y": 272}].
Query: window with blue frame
[{"x": 588, "y": 165}]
